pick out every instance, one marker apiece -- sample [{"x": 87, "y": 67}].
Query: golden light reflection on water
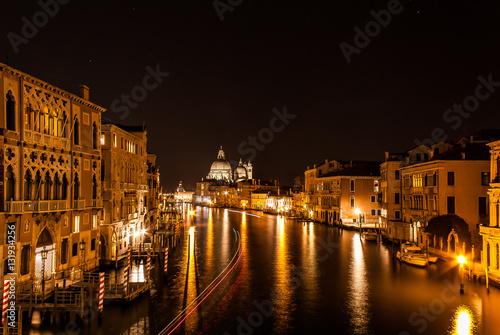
[
  {"x": 191, "y": 289},
  {"x": 284, "y": 286},
  {"x": 463, "y": 322},
  {"x": 358, "y": 290},
  {"x": 309, "y": 265}
]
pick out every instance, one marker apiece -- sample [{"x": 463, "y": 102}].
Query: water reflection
[
  {"x": 284, "y": 284},
  {"x": 463, "y": 321},
  {"x": 358, "y": 290}
]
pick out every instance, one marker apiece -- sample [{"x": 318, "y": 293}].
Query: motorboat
[
  {"x": 370, "y": 235},
  {"x": 413, "y": 255}
]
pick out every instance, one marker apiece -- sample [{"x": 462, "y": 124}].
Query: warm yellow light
[
  {"x": 461, "y": 259},
  {"x": 143, "y": 231},
  {"x": 191, "y": 213},
  {"x": 357, "y": 211},
  {"x": 191, "y": 231}
]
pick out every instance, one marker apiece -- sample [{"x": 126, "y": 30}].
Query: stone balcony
[
  {"x": 38, "y": 206},
  {"x": 45, "y": 139}
]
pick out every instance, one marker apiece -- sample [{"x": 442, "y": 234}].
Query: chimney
[
  {"x": 84, "y": 92},
  {"x": 386, "y": 155},
  {"x": 463, "y": 155}
]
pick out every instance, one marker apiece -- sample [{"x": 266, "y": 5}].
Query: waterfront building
[
  {"x": 125, "y": 188},
  {"x": 181, "y": 195},
  {"x": 223, "y": 187},
  {"x": 153, "y": 197},
  {"x": 490, "y": 232},
  {"x": 392, "y": 225},
  {"x": 51, "y": 180},
  {"x": 444, "y": 195},
  {"x": 259, "y": 199},
  {"x": 341, "y": 192}
]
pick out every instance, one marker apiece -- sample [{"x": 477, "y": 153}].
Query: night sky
[{"x": 226, "y": 77}]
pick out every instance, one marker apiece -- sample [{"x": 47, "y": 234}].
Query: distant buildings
[
  {"x": 181, "y": 195},
  {"x": 343, "y": 193}
]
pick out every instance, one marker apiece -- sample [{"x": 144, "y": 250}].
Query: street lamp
[
  {"x": 82, "y": 249},
  {"x": 44, "y": 257},
  {"x": 461, "y": 259}
]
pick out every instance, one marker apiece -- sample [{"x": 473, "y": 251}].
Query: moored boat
[
  {"x": 370, "y": 235},
  {"x": 413, "y": 255}
]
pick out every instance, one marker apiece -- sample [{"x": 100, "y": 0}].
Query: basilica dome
[{"x": 220, "y": 169}]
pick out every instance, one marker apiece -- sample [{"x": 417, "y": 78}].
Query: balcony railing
[
  {"x": 45, "y": 139},
  {"x": 97, "y": 203},
  {"x": 50, "y": 205},
  {"x": 36, "y": 206},
  {"x": 79, "y": 204}
]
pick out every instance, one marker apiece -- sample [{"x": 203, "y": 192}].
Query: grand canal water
[{"x": 296, "y": 278}]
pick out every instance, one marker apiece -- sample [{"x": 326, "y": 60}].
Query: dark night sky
[{"x": 226, "y": 77}]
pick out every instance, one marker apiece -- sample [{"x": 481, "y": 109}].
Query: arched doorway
[
  {"x": 452, "y": 243},
  {"x": 45, "y": 266},
  {"x": 102, "y": 250}
]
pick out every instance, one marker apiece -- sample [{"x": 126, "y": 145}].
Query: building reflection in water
[
  {"x": 358, "y": 303},
  {"x": 284, "y": 284}
]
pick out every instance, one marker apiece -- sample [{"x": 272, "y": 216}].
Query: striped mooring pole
[
  {"x": 6, "y": 285},
  {"x": 165, "y": 267},
  {"x": 127, "y": 272},
  {"x": 101, "y": 291},
  {"x": 148, "y": 266}
]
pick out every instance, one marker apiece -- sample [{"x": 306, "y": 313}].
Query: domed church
[{"x": 221, "y": 169}]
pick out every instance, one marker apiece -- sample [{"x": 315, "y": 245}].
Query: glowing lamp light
[
  {"x": 191, "y": 231},
  {"x": 357, "y": 211},
  {"x": 143, "y": 231},
  {"x": 461, "y": 259},
  {"x": 191, "y": 213}
]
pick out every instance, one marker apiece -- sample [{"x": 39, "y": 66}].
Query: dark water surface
[{"x": 296, "y": 278}]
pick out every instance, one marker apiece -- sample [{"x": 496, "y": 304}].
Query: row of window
[
  {"x": 76, "y": 226},
  {"x": 46, "y": 187},
  {"x": 126, "y": 145},
  {"x": 47, "y": 122}
]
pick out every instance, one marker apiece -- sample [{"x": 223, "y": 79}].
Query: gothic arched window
[{"x": 10, "y": 109}]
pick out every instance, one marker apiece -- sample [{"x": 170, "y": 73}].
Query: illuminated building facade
[
  {"x": 490, "y": 233},
  {"x": 125, "y": 188},
  {"x": 181, "y": 195},
  {"x": 336, "y": 190},
  {"x": 51, "y": 179},
  {"x": 444, "y": 195}
]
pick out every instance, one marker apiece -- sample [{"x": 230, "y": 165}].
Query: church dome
[
  {"x": 240, "y": 172},
  {"x": 220, "y": 164},
  {"x": 220, "y": 169}
]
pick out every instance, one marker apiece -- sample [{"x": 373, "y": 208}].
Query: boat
[
  {"x": 413, "y": 255},
  {"x": 370, "y": 235}
]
